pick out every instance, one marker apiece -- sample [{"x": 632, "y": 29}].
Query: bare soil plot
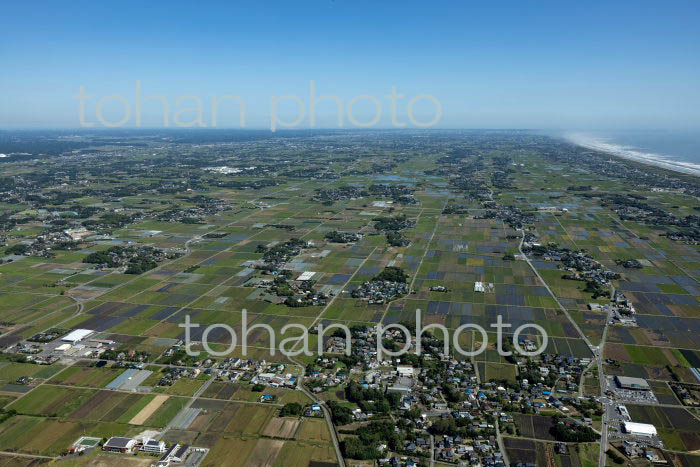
[
  {"x": 202, "y": 421},
  {"x": 147, "y": 411},
  {"x": 617, "y": 352}
]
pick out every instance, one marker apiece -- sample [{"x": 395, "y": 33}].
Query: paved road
[
  {"x": 501, "y": 446},
  {"x": 596, "y": 350},
  {"x": 324, "y": 409},
  {"x": 300, "y": 382},
  {"x": 561, "y": 307},
  {"x": 606, "y": 402}
]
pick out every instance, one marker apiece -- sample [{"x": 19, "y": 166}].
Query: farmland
[
  {"x": 534, "y": 426},
  {"x": 357, "y": 229},
  {"x": 677, "y": 427}
]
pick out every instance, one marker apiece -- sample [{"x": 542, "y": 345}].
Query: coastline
[{"x": 615, "y": 150}]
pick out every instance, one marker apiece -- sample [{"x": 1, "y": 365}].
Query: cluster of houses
[
  {"x": 128, "y": 255},
  {"x": 338, "y": 236},
  {"x": 579, "y": 264},
  {"x": 380, "y": 292},
  {"x": 277, "y": 379},
  {"x": 330, "y": 195},
  {"x": 43, "y": 244},
  {"x": 277, "y": 284},
  {"x": 402, "y": 194},
  {"x": 551, "y": 385},
  {"x": 173, "y": 374},
  {"x": 206, "y": 207},
  {"x": 232, "y": 370},
  {"x": 633, "y": 450},
  {"x": 688, "y": 394},
  {"x": 323, "y": 380},
  {"x": 419, "y": 388},
  {"x": 511, "y": 215},
  {"x": 334, "y": 344},
  {"x": 483, "y": 451},
  {"x": 292, "y": 292}
]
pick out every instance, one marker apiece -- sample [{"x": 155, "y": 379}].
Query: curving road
[{"x": 324, "y": 409}]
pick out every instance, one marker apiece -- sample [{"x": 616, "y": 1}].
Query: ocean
[{"x": 676, "y": 150}]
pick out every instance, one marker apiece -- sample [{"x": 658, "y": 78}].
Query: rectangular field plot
[
  {"x": 86, "y": 376},
  {"x": 534, "y": 426},
  {"x": 279, "y": 427}
]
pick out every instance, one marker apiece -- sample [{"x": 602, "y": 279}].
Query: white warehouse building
[
  {"x": 77, "y": 335},
  {"x": 640, "y": 429}
]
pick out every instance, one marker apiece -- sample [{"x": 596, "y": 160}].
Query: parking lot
[
  {"x": 616, "y": 431},
  {"x": 629, "y": 395}
]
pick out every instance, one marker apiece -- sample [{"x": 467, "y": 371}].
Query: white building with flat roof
[
  {"x": 153, "y": 446},
  {"x": 640, "y": 429},
  {"x": 63, "y": 347},
  {"x": 77, "y": 335}
]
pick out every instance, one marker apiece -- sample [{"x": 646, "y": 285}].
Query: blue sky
[{"x": 512, "y": 64}]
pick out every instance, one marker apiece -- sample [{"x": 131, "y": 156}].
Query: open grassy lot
[
  {"x": 11, "y": 371},
  {"x": 314, "y": 429},
  {"x": 498, "y": 372}
]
